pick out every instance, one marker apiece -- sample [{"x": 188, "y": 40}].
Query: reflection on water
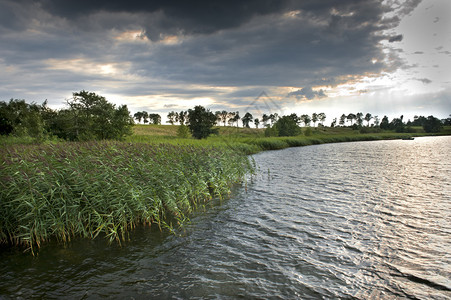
[{"x": 353, "y": 220}]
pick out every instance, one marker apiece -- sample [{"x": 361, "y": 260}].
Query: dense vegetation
[
  {"x": 88, "y": 116},
  {"x": 86, "y": 188}
]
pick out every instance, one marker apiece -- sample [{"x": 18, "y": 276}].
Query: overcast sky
[{"x": 384, "y": 57}]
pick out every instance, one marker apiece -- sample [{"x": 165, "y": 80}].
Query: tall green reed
[{"x": 86, "y": 189}]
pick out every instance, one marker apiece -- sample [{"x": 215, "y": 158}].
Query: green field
[{"x": 252, "y": 140}]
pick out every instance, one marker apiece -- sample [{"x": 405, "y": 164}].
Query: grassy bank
[
  {"x": 251, "y": 140},
  {"x": 66, "y": 190}
]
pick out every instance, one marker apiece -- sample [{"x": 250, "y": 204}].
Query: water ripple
[{"x": 368, "y": 220}]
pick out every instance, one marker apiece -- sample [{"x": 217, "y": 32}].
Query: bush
[{"x": 183, "y": 131}]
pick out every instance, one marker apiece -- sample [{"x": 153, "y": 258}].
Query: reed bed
[{"x": 67, "y": 190}]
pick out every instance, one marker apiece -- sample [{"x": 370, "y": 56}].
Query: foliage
[
  {"x": 201, "y": 122},
  {"x": 21, "y": 119},
  {"x": 91, "y": 188},
  {"x": 183, "y": 131},
  {"x": 247, "y": 119},
  {"x": 384, "y": 123},
  {"x": 91, "y": 116},
  {"x": 432, "y": 124},
  {"x": 286, "y": 126},
  {"x": 271, "y": 131}
]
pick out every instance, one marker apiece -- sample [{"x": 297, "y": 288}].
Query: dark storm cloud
[
  {"x": 199, "y": 16},
  {"x": 251, "y": 45},
  {"x": 396, "y": 38}
]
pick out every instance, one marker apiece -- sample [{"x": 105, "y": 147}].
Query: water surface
[{"x": 350, "y": 220}]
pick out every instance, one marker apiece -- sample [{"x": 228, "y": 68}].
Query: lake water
[{"x": 351, "y": 220}]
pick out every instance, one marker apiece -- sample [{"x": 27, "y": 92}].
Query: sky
[{"x": 389, "y": 57}]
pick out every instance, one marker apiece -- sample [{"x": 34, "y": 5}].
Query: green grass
[{"x": 85, "y": 189}]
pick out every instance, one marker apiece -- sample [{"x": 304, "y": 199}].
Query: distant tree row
[
  {"x": 87, "y": 116},
  {"x": 231, "y": 118},
  {"x": 147, "y": 118},
  {"x": 90, "y": 116}
]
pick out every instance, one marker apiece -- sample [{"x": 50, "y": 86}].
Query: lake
[{"x": 349, "y": 220}]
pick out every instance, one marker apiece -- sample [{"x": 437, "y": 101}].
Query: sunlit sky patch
[{"x": 387, "y": 58}]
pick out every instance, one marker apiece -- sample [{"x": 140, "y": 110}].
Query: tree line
[{"x": 89, "y": 116}]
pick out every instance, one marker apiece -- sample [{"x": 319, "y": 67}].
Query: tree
[
  {"x": 22, "y": 119},
  {"x": 359, "y": 118},
  {"x": 138, "y": 116},
  {"x": 265, "y": 119},
  {"x": 155, "y": 119},
  {"x": 231, "y": 117},
  {"x": 286, "y": 126},
  {"x": 247, "y": 119},
  {"x": 201, "y": 122},
  {"x": 172, "y": 117},
  {"x": 368, "y": 118},
  {"x": 181, "y": 117},
  {"x": 397, "y": 124},
  {"x": 273, "y": 117},
  {"x": 432, "y": 124},
  {"x": 376, "y": 120},
  {"x": 305, "y": 119},
  {"x": 322, "y": 117},
  {"x": 222, "y": 116},
  {"x": 447, "y": 121},
  {"x": 236, "y": 118},
  {"x": 314, "y": 119},
  {"x": 384, "y": 123},
  {"x": 91, "y": 116},
  {"x": 342, "y": 120},
  {"x": 351, "y": 117},
  {"x": 145, "y": 116},
  {"x": 295, "y": 118},
  {"x": 334, "y": 123},
  {"x": 256, "y": 122}
]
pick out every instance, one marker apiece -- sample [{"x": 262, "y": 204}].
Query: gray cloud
[
  {"x": 251, "y": 45},
  {"x": 396, "y": 38},
  {"x": 307, "y": 93},
  {"x": 424, "y": 80}
]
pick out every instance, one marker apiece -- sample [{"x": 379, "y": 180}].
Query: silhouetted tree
[
  {"x": 432, "y": 124},
  {"x": 368, "y": 118},
  {"x": 181, "y": 117},
  {"x": 172, "y": 117},
  {"x": 138, "y": 116},
  {"x": 359, "y": 118},
  {"x": 334, "y": 123},
  {"x": 376, "y": 120},
  {"x": 351, "y": 117},
  {"x": 246, "y": 119},
  {"x": 256, "y": 122},
  {"x": 342, "y": 120},
  {"x": 305, "y": 119},
  {"x": 155, "y": 119},
  {"x": 322, "y": 117},
  {"x": 145, "y": 115},
  {"x": 265, "y": 119},
  {"x": 201, "y": 122},
  {"x": 314, "y": 119},
  {"x": 384, "y": 123}
]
